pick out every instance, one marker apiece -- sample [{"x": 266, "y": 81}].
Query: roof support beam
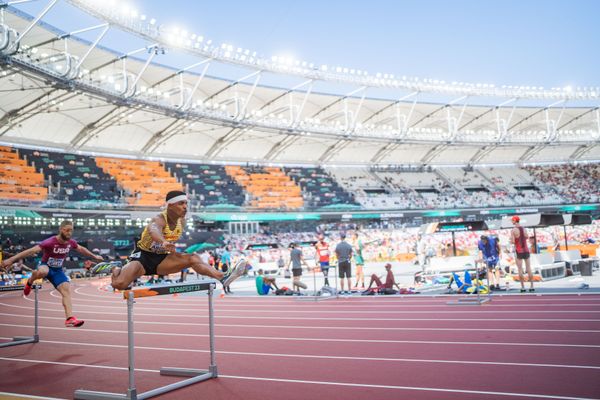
[
  {"x": 577, "y": 117},
  {"x": 481, "y": 153},
  {"x": 552, "y": 124},
  {"x": 530, "y": 153},
  {"x": 384, "y": 152},
  {"x": 393, "y": 104},
  {"x": 296, "y": 118},
  {"x": 188, "y": 102},
  {"x": 581, "y": 151},
  {"x": 453, "y": 122},
  {"x": 280, "y": 146},
  {"x": 94, "y": 44},
  {"x": 224, "y": 141},
  {"x": 433, "y": 153},
  {"x": 287, "y": 92},
  {"x": 338, "y": 100},
  {"x": 33, "y": 108},
  {"x": 131, "y": 90},
  {"x": 159, "y": 136},
  {"x": 231, "y": 85},
  {"x": 15, "y": 45},
  {"x": 242, "y": 112},
  {"x": 89, "y": 130},
  {"x": 333, "y": 150}
]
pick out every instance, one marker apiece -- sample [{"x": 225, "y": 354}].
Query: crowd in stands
[
  {"x": 400, "y": 243},
  {"x": 320, "y": 189},
  {"x": 489, "y": 187},
  {"x": 575, "y": 184},
  {"x": 38, "y": 176}
]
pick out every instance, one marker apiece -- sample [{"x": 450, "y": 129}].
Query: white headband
[{"x": 177, "y": 199}]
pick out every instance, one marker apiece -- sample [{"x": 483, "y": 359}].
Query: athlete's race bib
[
  {"x": 135, "y": 255},
  {"x": 55, "y": 262}
]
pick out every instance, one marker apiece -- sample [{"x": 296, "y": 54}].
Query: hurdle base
[
  {"x": 171, "y": 371},
  {"x": 17, "y": 340},
  {"x": 92, "y": 395},
  {"x": 468, "y": 302},
  {"x": 316, "y": 298}
]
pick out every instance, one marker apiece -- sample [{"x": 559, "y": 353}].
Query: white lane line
[
  {"x": 437, "y": 300},
  {"x": 221, "y": 307},
  {"x": 415, "y": 360},
  {"x": 220, "y": 316},
  {"x": 329, "y": 319},
  {"x": 300, "y": 339},
  {"x": 7, "y": 396},
  {"x": 465, "y": 329},
  {"x": 357, "y": 385}
]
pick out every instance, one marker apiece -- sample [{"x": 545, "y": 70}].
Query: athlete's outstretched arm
[
  {"x": 82, "y": 250},
  {"x": 24, "y": 254}
]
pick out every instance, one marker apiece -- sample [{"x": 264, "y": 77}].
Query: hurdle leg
[
  {"x": 36, "y": 313},
  {"x": 131, "y": 391},
  {"x": 197, "y": 375},
  {"x": 17, "y": 340}
]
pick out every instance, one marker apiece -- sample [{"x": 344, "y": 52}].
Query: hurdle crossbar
[
  {"x": 17, "y": 340},
  {"x": 194, "y": 375}
]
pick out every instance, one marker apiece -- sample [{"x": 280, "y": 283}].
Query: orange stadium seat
[
  {"x": 19, "y": 181},
  {"x": 148, "y": 179},
  {"x": 269, "y": 187}
]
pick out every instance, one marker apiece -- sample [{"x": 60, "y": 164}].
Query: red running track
[{"x": 517, "y": 347}]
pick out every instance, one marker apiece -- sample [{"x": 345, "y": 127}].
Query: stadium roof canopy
[{"x": 64, "y": 92}]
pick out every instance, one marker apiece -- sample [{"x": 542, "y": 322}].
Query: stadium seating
[
  {"x": 146, "y": 182},
  {"x": 73, "y": 177},
  {"x": 320, "y": 189},
  {"x": 268, "y": 187},
  {"x": 117, "y": 182},
  {"x": 573, "y": 183},
  {"x": 209, "y": 183},
  {"x": 19, "y": 181}
]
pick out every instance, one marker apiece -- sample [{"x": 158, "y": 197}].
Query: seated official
[{"x": 264, "y": 284}]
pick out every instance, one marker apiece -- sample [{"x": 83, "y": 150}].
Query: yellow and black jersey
[{"x": 147, "y": 244}]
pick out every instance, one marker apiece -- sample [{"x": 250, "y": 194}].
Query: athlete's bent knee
[{"x": 120, "y": 285}]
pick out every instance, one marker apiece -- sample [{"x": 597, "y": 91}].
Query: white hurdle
[
  {"x": 196, "y": 375},
  {"x": 17, "y": 340}
]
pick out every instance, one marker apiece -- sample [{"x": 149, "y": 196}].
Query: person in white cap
[{"x": 155, "y": 252}]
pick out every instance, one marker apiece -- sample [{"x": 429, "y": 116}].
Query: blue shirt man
[{"x": 490, "y": 250}]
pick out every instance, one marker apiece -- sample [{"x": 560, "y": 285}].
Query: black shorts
[
  {"x": 296, "y": 271},
  {"x": 522, "y": 256},
  {"x": 149, "y": 261},
  {"x": 345, "y": 269}
]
